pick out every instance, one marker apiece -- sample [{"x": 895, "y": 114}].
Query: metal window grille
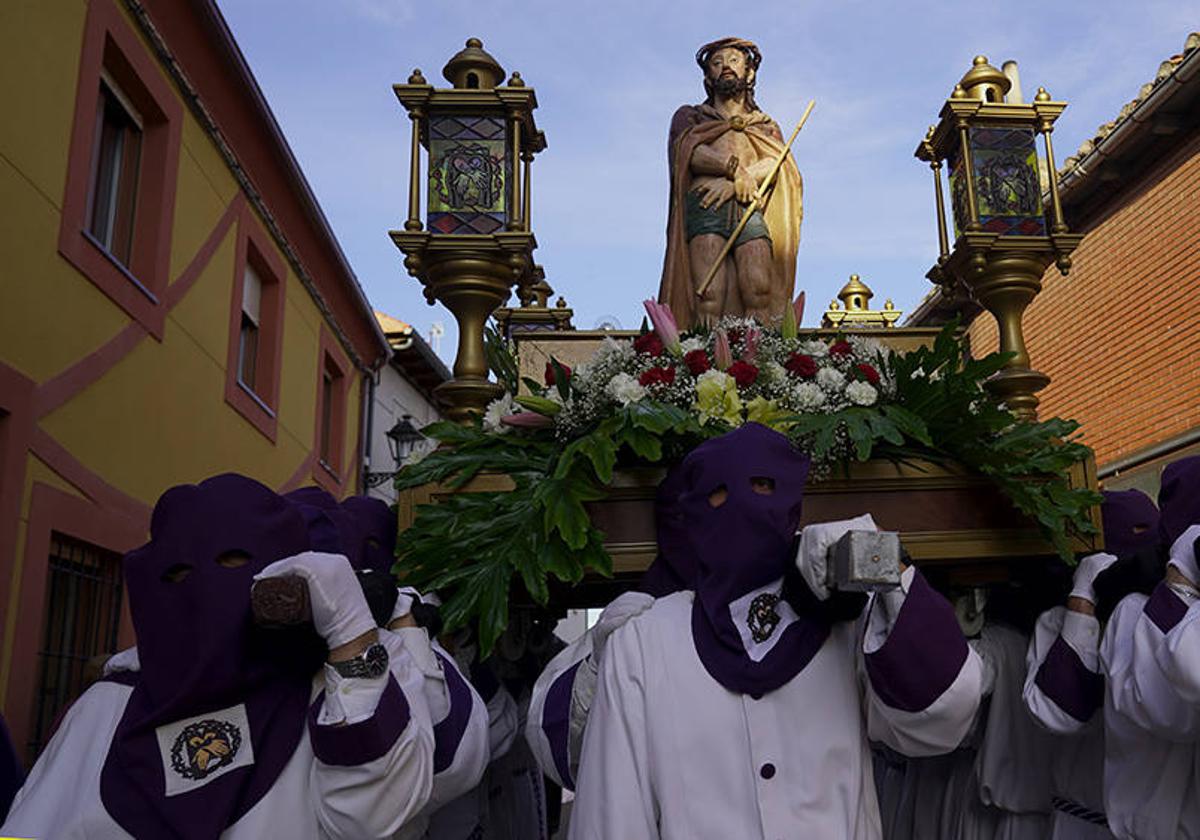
[{"x": 83, "y": 614}]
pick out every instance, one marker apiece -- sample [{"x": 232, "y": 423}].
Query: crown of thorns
[{"x": 753, "y": 56}]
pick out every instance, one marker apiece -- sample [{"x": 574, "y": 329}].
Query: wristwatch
[{"x": 371, "y": 663}]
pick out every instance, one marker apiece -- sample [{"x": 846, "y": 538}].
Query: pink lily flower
[
  {"x": 750, "y": 344},
  {"x": 527, "y": 420},
  {"x": 721, "y": 352},
  {"x": 798, "y": 308},
  {"x": 664, "y": 324}
]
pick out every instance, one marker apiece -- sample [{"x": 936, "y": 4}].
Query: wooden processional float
[{"x": 471, "y": 254}]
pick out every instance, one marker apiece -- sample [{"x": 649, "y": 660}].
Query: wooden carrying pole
[{"x": 758, "y": 202}]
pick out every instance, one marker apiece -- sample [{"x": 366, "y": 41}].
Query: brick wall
[{"x": 1120, "y": 335}]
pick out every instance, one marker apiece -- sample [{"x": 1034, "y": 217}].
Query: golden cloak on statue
[{"x": 719, "y": 153}]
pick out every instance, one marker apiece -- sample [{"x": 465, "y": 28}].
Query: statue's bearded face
[{"x": 728, "y": 71}]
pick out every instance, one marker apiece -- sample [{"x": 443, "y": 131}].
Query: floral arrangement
[
  {"x": 736, "y": 373},
  {"x": 651, "y": 399}
]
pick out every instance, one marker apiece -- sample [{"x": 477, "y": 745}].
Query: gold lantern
[
  {"x": 475, "y": 242},
  {"x": 1005, "y": 235}
]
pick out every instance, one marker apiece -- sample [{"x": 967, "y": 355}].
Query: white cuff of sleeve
[
  {"x": 420, "y": 650},
  {"x": 349, "y": 699},
  {"x": 1082, "y": 633},
  {"x": 885, "y": 610}
]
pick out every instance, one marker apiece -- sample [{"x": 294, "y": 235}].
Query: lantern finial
[
  {"x": 984, "y": 82},
  {"x": 473, "y": 67}
]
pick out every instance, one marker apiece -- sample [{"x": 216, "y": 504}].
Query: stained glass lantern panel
[
  {"x": 1008, "y": 192},
  {"x": 468, "y": 175}
]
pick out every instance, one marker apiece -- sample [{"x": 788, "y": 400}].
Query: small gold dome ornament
[
  {"x": 473, "y": 67},
  {"x": 984, "y": 82},
  {"x": 854, "y": 312},
  {"x": 417, "y": 78},
  {"x": 855, "y": 294},
  {"x": 1042, "y": 96}
]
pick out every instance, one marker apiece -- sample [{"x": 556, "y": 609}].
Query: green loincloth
[{"x": 721, "y": 221}]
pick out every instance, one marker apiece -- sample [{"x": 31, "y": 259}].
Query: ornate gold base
[
  {"x": 1017, "y": 388},
  {"x": 463, "y": 398},
  {"x": 1004, "y": 274},
  {"x": 470, "y": 276}
]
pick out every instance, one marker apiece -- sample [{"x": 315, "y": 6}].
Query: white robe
[
  {"x": 1152, "y": 719},
  {"x": 466, "y": 818},
  {"x": 1011, "y": 798},
  {"x": 562, "y": 697},
  {"x": 459, "y": 718},
  {"x": 995, "y": 786},
  {"x": 670, "y": 753},
  {"x": 310, "y": 798},
  {"x": 1057, "y": 695}
]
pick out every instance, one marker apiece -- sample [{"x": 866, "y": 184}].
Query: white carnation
[
  {"x": 830, "y": 379},
  {"x": 688, "y": 345},
  {"x": 809, "y": 396},
  {"x": 861, "y": 393},
  {"x": 772, "y": 372},
  {"x": 712, "y": 374},
  {"x": 625, "y": 389},
  {"x": 814, "y": 348},
  {"x": 496, "y": 409}
]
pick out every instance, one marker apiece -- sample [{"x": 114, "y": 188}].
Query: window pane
[
  {"x": 126, "y": 194},
  {"x": 252, "y": 294},
  {"x": 248, "y": 353},
  {"x": 326, "y": 418},
  {"x": 83, "y": 610},
  {"x": 114, "y": 177}
]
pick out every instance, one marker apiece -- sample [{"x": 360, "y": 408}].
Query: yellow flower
[
  {"x": 764, "y": 411},
  {"x": 717, "y": 398}
]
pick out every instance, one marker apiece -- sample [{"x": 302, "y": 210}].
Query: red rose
[
  {"x": 743, "y": 373},
  {"x": 697, "y": 362},
  {"x": 657, "y": 376},
  {"x": 841, "y": 348},
  {"x": 869, "y": 373},
  {"x": 549, "y": 374},
  {"x": 649, "y": 343},
  {"x": 801, "y": 365}
]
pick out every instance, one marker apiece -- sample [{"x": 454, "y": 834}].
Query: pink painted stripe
[
  {"x": 63, "y": 387},
  {"x": 58, "y": 458}
]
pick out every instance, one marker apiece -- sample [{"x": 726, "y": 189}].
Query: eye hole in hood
[
  {"x": 233, "y": 559},
  {"x": 177, "y": 572}
]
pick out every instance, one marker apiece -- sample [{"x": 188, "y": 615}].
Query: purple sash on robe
[
  {"x": 200, "y": 655},
  {"x": 743, "y": 545}
]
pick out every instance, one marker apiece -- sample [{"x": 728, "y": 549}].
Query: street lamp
[
  {"x": 1005, "y": 237},
  {"x": 402, "y": 438},
  {"x": 475, "y": 242}
]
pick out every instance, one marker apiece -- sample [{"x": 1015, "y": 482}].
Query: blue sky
[{"x": 608, "y": 76}]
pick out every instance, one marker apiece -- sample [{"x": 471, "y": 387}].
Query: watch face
[{"x": 376, "y": 659}]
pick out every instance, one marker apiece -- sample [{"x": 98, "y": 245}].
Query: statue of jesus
[{"x": 719, "y": 152}]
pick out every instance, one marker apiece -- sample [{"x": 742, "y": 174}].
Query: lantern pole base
[
  {"x": 470, "y": 275},
  {"x": 1004, "y": 274},
  {"x": 1017, "y": 388}
]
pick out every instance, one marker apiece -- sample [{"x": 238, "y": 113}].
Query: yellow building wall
[{"x": 158, "y": 416}]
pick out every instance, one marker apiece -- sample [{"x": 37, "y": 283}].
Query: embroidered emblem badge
[
  {"x": 762, "y": 618},
  {"x": 204, "y": 747}
]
